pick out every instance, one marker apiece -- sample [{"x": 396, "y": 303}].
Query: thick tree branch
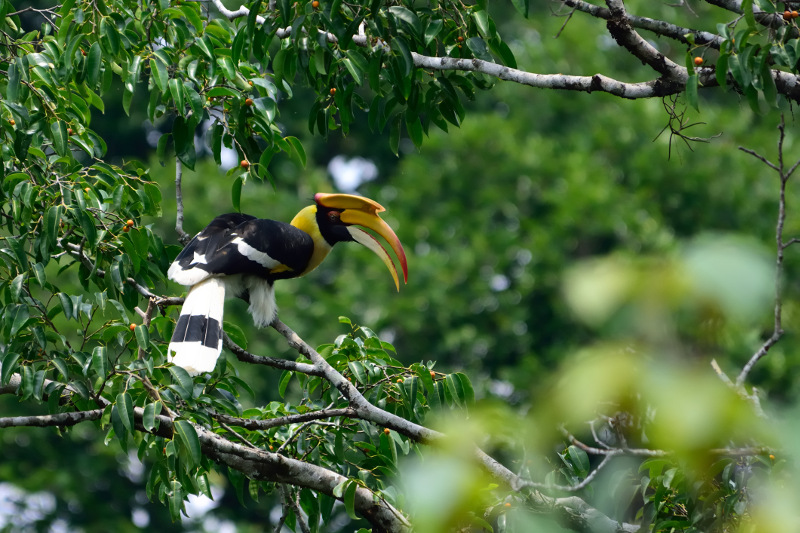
[
  {"x": 622, "y": 32},
  {"x": 589, "y": 84}
]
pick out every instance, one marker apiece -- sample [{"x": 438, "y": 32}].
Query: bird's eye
[{"x": 333, "y": 216}]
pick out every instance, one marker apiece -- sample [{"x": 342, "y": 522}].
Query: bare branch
[
  {"x": 282, "y": 364},
  {"x": 626, "y": 36},
  {"x": 596, "y": 83},
  {"x": 777, "y": 327}
]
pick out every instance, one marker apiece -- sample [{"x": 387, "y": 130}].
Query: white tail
[{"x": 197, "y": 340}]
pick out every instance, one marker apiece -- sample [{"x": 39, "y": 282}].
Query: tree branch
[
  {"x": 626, "y": 36},
  {"x": 268, "y": 423},
  {"x": 777, "y": 326}
]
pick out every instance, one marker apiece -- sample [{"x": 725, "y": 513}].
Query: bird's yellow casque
[{"x": 241, "y": 255}]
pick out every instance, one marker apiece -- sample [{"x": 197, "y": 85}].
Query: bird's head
[{"x": 337, "y": 216}]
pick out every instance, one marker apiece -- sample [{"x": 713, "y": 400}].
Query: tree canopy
[{"x": 596, "y": 332}]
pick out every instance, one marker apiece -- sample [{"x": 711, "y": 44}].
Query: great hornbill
[{"x": 242, "y": 255}]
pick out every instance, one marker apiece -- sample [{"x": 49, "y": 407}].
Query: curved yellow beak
[{"x": 363, "y": 212}]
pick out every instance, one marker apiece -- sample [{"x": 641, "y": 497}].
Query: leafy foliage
[{"x": 77, "y": 260}]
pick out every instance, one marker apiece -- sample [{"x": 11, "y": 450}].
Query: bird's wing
[{"x": 242, "y": 244}]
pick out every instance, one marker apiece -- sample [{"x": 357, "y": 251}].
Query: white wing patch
[
  {"x": 199, "y": 258},
  {"x": 188, "y": 277},
  {"x": 262, "y": 258}
]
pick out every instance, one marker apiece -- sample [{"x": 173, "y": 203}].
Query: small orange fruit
[
  {"x": 129, "y": 223},
  {"x": 460, "y": 39},
  {"x": 126, "y": 229},
  {"x": 12, "y": 122},
  {"x": 387, "y": 430},
  {"x": 795, "y": 14},
  {"x": 315, "y": 4},
  {"x": 248, "y": 102},
  {"x": 69, "y": 131},
  {"x": 132, "y": 327},
  {"x": 771, "y": 457},
  {"x": 698, "y": 61},
  {"x": 333, "y": 91},
  {"x": 87, "y": 189},
  {"x": 245, "y": 164},
  {"x": 433, "y": 374},
  {"x": 787, "y": 15}
]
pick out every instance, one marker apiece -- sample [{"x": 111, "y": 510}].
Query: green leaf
[
  {"x": 176, "y": 91},
  {"x": 59, "y": 130},
  {"x": 236, "y": 194},
  {"x": 409, "y": 17},
  {"x": 175, "y": 499},
  {"x": 236, "y": 334},
  {"x": 93, "y": 63},
  {"x": 183, "y": 381},
  {"x": 354, "y": 70},
  {"x": 285, "y": 378},
  {"x": 414, "y": 128},
  {"x": 521, "y": 6},
  {"x": 158, "y": 71},
  {"x": 579, "y": 460},
  {"x": 350, "y": 500},
  {"x": 99, "y": 360},
  {"x": 410, "y": 386},
  {"x": 432, "y": 30},
  {"x": 142, "y": 336},
  {"x": 124, "y": 406},
  {"x": 722, "y": 69},
  {"x": 188, "y": 440},
  {"x": 338, "y": 490},
  {"x": 14, "y": 82},
  {"x": 7, "y": 367},
  {"x": 455, "y": 389},
  {"x": 768, "y": 86},
  {"x": 151, "y": 411},
  {"x": 357, "y": 368},
  {"x": 691, "y": 91},
  {"x": 394, "y": 137},
  {"x": 298, "y": 151},
  {"x": 466, "y": 387},
  {"x": 747, "y": 9},
  {"x": 481, "y": 18},
  {"x": 21, "y": 318},
  {"x": 219, "y": 92}
]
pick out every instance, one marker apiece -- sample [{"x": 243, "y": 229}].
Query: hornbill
[{"x": 241, "y": 255}]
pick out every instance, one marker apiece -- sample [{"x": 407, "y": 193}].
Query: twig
[
  {"x": 780, "y": 246},
  {"x": 283, "y": 364},
  {"x": 268, "y": 423}
]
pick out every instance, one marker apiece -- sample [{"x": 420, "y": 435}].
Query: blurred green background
[{"x": 498, "y": 218}]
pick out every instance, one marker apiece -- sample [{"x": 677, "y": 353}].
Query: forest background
[{"x": 546, "y": 229}]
